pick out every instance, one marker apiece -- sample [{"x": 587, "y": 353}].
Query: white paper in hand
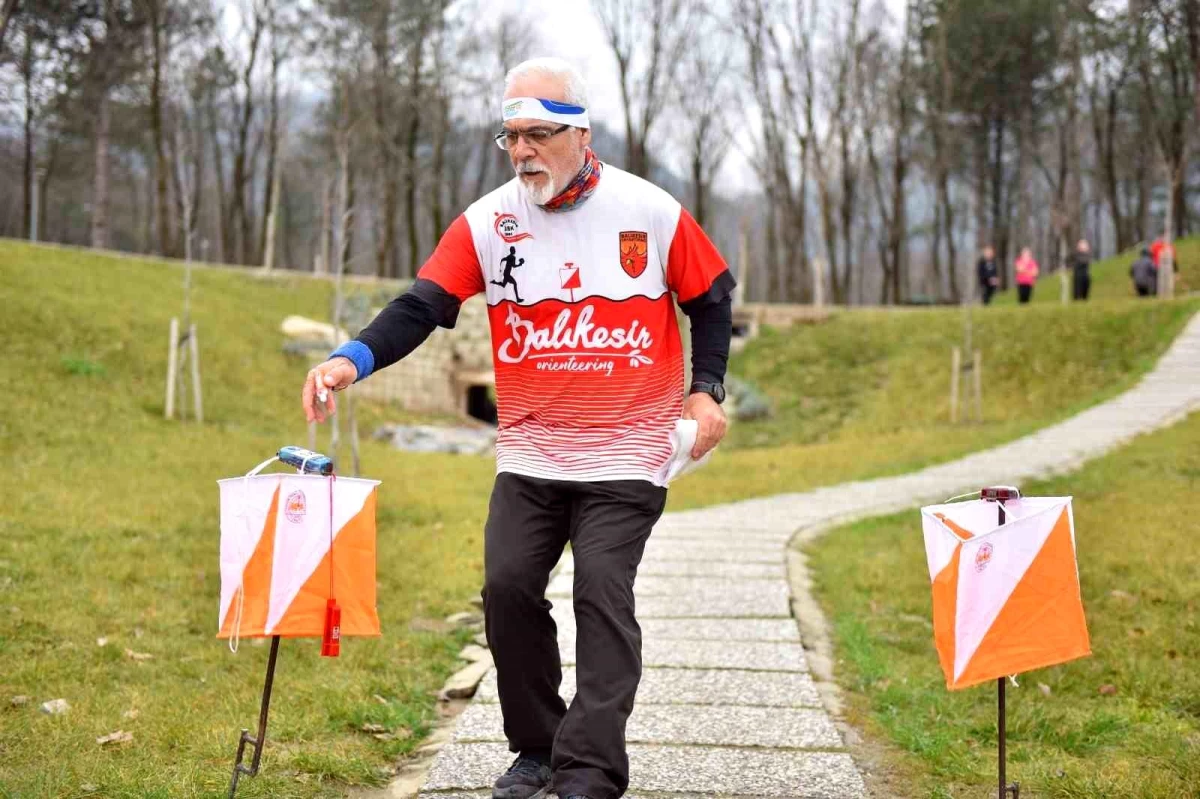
[{"x": 683, "y": 438}]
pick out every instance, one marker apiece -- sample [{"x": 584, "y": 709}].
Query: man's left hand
[{"x": 705, "y": 410}]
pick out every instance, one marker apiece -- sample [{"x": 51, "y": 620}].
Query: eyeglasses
[{"x": 507, "y": 139}]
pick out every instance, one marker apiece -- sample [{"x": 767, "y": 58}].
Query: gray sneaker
[{"x": 526, "y": 778}]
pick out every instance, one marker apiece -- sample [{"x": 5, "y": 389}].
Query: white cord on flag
[
  {"x": 236, "y": 634},
  {"x": 974, "y": 494}
]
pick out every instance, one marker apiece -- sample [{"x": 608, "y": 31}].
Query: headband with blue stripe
[{"x": 546, "y": 110}]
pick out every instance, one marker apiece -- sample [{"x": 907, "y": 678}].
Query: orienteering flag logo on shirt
[
  {"x": 569, "y": 275},
  {"x": 634, "y": 252}
]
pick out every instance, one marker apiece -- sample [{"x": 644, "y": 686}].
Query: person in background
[
  {"x": 1158, "y": 248},
  {"x": 1027, "y": 271},
  {"x": 1145, "y": 274},
  {"x": 989, "y": 274},
  {"x": 1081, "y": 267}
]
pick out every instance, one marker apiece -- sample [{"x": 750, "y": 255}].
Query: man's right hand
[{"x": 333, "y": 375}]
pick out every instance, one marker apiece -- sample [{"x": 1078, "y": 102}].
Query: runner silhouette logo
[{"x": 510, "y": 262}]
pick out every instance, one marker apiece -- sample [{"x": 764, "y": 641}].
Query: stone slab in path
[
  {"x": 701, "y": 687},
  {"x": 679, "y": 769}
]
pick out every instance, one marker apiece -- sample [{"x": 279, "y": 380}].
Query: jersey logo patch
[
  {"x": 569, "y": 275},
  {"x": 509, "y": 263},
  {"x": 634, "y": 252},
  {"x": 509, "y": 228}
]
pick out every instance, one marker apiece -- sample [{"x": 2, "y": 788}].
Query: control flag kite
[
  {"x": 1005, "y": 596},
  {"x": 296, "y": 548}
]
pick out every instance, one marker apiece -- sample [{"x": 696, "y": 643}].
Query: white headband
[{"x": 546, "y": 110}]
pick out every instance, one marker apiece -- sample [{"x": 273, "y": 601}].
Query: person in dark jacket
[
  {"x": 1145, "y": 274},
  {"x": 989, "y": 274},
  {"x": 1081, "y": 268}
]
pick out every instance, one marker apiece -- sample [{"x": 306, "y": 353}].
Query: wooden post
[
  {"x": 818, "y": 273},
  {"x": 955, "y": 369},
  {"x": 978, "y": 386},
  {"x": 172, "y": 364},
  {"x": 353, "y": 424},
  {"x": 194, "y": 345}
]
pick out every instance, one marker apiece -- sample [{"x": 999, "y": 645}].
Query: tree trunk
[
  {"x": 385, "y": 242},
  {"x": 486, "y": 159},
  {"x": 7, "y": 12},
  {"x": 410, "y": 195},
  {"x": 351, "y": 204},
  {"x": 322, "y": 265},
  {"x": 100, "y": 174},
  {"x": 27, "y": 185},
  {"x": 438, "y": 168},
  {"x": 271, "y": 228},
  {"x": 270, "y": 201},
  {"x": 239, "y": 219},
  {"x": 223, "y": 238},
  {"x": 44, "y": 189},
  {"x": 999, "y": 232},
  {"x": 157, "y": 35},
  {"x": 411, "y": 135}
]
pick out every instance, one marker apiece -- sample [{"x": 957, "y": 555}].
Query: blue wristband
[{"x": 360, "y": 354}]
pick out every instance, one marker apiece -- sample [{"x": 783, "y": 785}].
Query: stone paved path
[{"x": 728, "y": 705}]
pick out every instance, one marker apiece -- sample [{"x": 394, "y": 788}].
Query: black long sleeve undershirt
[
  {"x": 408, "y": 320},
  {"x": 711, "y": 315}
]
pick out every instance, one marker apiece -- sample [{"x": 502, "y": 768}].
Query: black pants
[
  {"x": 1144, "y": 291},
  {"x": 1024, "y": 292},
  {"x": 988, "y": 290},
  {"x": 530, "y": 521},
  {"x": 1083, "y": 284}
]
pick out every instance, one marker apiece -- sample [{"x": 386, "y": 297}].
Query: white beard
[{"x": 537, "y": 195}]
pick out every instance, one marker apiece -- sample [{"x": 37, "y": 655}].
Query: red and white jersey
[{"x": 589, "y": 365}]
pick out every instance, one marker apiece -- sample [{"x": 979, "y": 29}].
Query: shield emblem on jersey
[{"x": 634, "y": 252}]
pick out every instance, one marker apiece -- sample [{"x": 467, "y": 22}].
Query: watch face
[{"x": 718, "y": 393}]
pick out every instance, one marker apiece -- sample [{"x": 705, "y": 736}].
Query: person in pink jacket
[{"x": 1027, "y": 271}]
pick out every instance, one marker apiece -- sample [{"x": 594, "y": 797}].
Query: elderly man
[{"x": 589, "y": 387}]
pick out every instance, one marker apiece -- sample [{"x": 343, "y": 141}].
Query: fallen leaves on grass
[
  {"x": 1108, "y": 690},
  {"x": 138, "y": 656},
  {"x": 118, "y": 737}
]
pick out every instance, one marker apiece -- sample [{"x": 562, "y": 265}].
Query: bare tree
[
  {"x": 112, "y": 57},
  {"x": 703, "y": 107},
  {"x": 885, "y": 101},
  {"x": 776, "y": 41},
  {"x": 280, "y": 35},
  {"x": 239, "y": 217},
  {"x": 648, "y": 39}
]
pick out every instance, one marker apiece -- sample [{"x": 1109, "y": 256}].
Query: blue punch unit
[{"x": 307, "y": 460}]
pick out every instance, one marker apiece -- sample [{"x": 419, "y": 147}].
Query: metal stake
[
  {"x": 1005, "y": 788},
  {"x": 257, "y": 742}
]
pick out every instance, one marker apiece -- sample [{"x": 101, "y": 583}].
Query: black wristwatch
[{"x": 714, "y": 390}]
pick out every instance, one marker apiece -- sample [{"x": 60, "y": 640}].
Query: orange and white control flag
[
  {"x": 1005, "y": 597},
  {"x": 285, "y": 554}
]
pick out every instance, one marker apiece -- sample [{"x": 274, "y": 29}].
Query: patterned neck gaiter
[{"x": 580, "y": 187}]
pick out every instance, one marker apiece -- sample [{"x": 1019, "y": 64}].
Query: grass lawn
[
  {"x": 867, "y": 393},
  {"x": 1110, "y": 277},
  {"x": 1135, "y": 517},
  {"x": 109, "y": 526}
]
